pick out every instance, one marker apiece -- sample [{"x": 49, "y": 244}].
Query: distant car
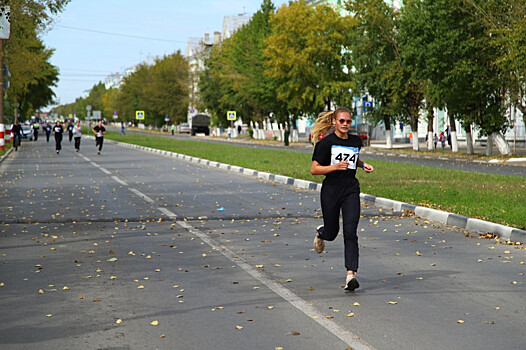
[
  {"x": 184, "y": 128},
  {"x": 27, "y": 133},
  {"x": 365, "y": 139}
]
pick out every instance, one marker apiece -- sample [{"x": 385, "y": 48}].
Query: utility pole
[{"x": 2, "y": 125}]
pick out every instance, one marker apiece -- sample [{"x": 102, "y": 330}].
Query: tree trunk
[
  {"x": 414, "y": 132},
  {"x": 489, "y": 145},
  {"x": 501, "y": 143},
  {"x": 430, "y": 119},
  {"x": 469, "y": 140},
  {"x": 453, "y": 130},
  {"x": 388, "y": 136}
]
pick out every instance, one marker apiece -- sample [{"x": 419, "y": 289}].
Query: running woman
[
  {"x": 58, "y": 129},
  {"x": 337, "y": 156}
]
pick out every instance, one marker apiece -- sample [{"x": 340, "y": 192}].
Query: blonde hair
[{"x": 323, "y": 123}]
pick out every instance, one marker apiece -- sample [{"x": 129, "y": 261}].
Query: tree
[
  {"x": 306, "y": 56},
  {"x": 446, "y": 45},
  {"x": 379, "y": 68},
  {"x": 26, "y": 56}
]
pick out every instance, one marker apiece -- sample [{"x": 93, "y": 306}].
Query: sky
[{"x": 95, "y": 38}]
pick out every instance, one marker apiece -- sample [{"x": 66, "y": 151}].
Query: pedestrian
[
  {"x": 173, "y": 129},
  {"x": 435, "y": 140},
  {"x": 47, "y": 128},
  {"x": 16, "y": 130},
  {"x": 442, "y": 139},
  {"x": 448, "y": 135},
  {"x": 239, "y": 128},
  {"x": 122, "y": 129},
  {"x": 99, "y": 132},
  {"x": 70, "y": 130},
  {"x": 77, "y": 134},
  {"x": 35, "y": 127},
  {"x": 57, "y": 131},
  {"x": 229, "y": 132},
  {"x": 337, "y": 156}
]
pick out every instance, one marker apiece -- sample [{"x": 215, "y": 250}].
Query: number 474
[{"x": 345, "y": 156}]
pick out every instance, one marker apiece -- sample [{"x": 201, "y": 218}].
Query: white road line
[
  {"x": 105, "y": 171},
  {"x": 348, "y": 337},
  {"x": 119, "y": 180},
  {"x": 143, "y": 196},
  {"x": 167, "y": 213}
]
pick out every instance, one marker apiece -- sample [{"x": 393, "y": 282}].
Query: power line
[{"x": 118, "y": 34}]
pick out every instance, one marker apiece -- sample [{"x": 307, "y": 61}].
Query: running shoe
[
  {"x": 351, "y": 283},
  {"x": 319, "y": 244}
]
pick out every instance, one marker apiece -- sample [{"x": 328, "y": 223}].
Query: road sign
[
  {"x": 231, "y": 115},
  {"x": 368, "y": 104},
  {"x": 97, "y": 115},
  {"x": 5, "y": 22},
  {"x": 139, "y": 115},
  {"x": 166, "y": 117},
  {"x": 115, "y": 115},
  {"x": 88, "y": 108}
]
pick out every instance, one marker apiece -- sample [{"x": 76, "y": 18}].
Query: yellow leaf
[
  {"x": 140, "y": 287},
  {"x": 155, "y": 323},
  {"x": 49, "y": 315},
  {"x": 329, "y": 317},
  {"x": 356, "y": 303},
  {"x": 460, "y": 321},
  {"x": 119, "y": 321},
  {"x": 350, "y": 314},
  {"x": 163, "y": 336},
  {"x": 65, "y": 288},
  {"x": 270, "y": 307},
  {"x": 392, "y": 302},
  {"x": 239, "y": 327},
  {"x": 40, "y": 291}
]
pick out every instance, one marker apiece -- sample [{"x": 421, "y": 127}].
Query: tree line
[
  {"x": 466, "y": 56},
  {"x": 159, "y": 89},
  {"x": 32, "y": 76}
]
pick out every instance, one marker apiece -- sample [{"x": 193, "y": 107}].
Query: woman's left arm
[{"x": 368, "y": 168}]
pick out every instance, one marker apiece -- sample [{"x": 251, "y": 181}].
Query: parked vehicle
[
  {"x": 27, "y": 133},
  {"x": 184, "y": 128},
  {"x": 201, "y": 124}
]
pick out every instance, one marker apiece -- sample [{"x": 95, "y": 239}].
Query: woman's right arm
[{"x": 318, "y": 169}]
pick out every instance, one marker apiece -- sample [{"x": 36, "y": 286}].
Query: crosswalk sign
[
  {"x": 231, "y": 115},
  {"x": 139, "y": 115}
]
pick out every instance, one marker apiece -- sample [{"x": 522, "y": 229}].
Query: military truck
[{"x": 200, "y": 124}]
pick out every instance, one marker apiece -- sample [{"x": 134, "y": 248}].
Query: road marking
[
  {"x": 348, "y": 337},
  {"x": 167, "y": 213},
  {"x": 105, "y": 171},
  {"x": 119, "y": 180},
  {"x": 145, "y": 197}
]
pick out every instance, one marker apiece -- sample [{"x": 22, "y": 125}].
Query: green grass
[{"x": 495, "y": 198}]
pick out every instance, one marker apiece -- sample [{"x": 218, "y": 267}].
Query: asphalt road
[{"x": 129, "y": 250}]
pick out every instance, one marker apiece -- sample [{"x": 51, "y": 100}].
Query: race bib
[
  {"x": 341, "y": 153},
  {"x": 99, "y": 134}
]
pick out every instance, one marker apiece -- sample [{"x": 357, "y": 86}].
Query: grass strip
[{"x": 496, "y": 198}]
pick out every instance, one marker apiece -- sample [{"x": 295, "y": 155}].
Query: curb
[
  {"x": 6, "y": 154},
  {"x": 459, "y": 221}
]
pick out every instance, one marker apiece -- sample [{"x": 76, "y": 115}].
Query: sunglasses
[{"x": 345, "y": 121}]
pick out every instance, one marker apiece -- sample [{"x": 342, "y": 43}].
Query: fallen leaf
[
  {"x": 239, "y": 327},
  {"x": 350, "y": 314},
  {"x": 112, "y": 259},
  {"x": 392, "y": 302},
  {"x": 163, "y": 336},
  {"x": 119, "y": 321},
  {"x": 65, "y": 288},
  {"x": 155, "y": 323},
  {"x": 460, "y": 321}
]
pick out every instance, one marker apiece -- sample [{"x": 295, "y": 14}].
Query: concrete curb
[
  {"x": 451, "y": 219},
  {"x": 6, "y": 154}
]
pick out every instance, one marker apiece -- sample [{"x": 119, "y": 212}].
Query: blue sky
[{"x": 85, "y": 56}]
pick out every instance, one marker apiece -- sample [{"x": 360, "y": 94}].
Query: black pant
[
  {"x": 98, "y": 142},
  {"x": 70, "y": 135},
  {"x": 47, "y": 136},
  {"x": 58, "y": 142},
  {"x": 35, "y": 134},
  {"x": 336, "y": 198},
  {"x": 77, "y": 143}
]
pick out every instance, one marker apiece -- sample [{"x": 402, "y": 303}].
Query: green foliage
[
  {"x": 448, "y": 46},
  {"x": 33, "y": 76},
  {"x": 306, "y": 56},
  {"x": 159, "y": 89}
]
